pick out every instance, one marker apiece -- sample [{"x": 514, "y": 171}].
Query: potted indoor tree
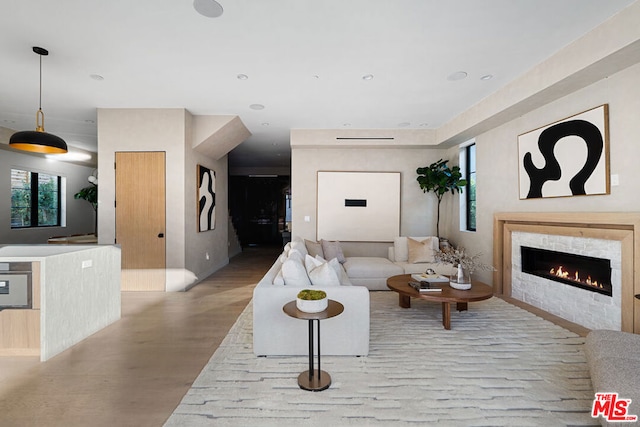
[
  {"x": 90, "y": 194},
  {"x": 440, "y": 179}
]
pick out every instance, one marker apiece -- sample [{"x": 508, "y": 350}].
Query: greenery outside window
[{"x": 35, "y": 199}]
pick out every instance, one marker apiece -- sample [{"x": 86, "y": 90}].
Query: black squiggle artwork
[
  {"x": 206, "y": 199},
  {"x": 552, "y": 171}
]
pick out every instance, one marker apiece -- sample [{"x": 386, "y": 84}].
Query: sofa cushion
[
  {"x": 298, "y": 244},
  {"x": 332, "y": 250},
  {"x": 279, "y": 279},
  {"x": 320, "y": 272},
  {"x": 420, "y": 251},
  {"x": 293, "y": 271},
  {"x": 314, "y": 248},
  {"x": 401, "y": 247},
  {"x": 371, "y": 267}
]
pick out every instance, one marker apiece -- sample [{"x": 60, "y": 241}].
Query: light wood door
[{"x": 140, "y": 219}]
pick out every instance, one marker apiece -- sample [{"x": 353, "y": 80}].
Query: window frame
[
  {"x": 468, "y": 173},
  {"x": 465, "y": 202},
  {"x": 35, "y": 202}
]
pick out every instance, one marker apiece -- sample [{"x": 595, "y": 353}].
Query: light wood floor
[{"x": 136, "y": 371}]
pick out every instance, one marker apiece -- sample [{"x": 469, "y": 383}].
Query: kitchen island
[{"x": 64, "y": 294}]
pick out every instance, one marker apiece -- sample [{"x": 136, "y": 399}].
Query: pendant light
[{"x": 38, "y": 141}]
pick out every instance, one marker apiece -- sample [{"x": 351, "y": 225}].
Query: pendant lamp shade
[{"x": 38, "y": 141}]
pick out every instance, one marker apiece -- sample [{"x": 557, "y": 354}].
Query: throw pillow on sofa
[
  {"x": 314, "y": 248},
  {"x": 401, "y": 246},
  {"x": 332, "y": 249},
  {"x": 320, "y": 272},
  {"x": 293, "y": 271},
  {"x": 420, "y": 251}
]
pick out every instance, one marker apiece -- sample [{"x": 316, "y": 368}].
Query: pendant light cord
[{"x": 40, "y": 99}]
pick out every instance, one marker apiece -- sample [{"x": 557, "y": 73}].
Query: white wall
[
  {"x": 213, "y": 242},
  {"x": 80, "y": 216},
  {"x": 167, "y": 130},
  {"x": 497, "y": 160},
  {"x": 417, "y": 211}
]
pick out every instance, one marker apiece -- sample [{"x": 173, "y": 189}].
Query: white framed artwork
[
  {"x": 567, "y": 158},
  {"x": 358, "y": 206}
]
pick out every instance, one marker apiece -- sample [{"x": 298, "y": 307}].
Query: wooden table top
[
  {"x": 334, "y": 308},
  {"x": 478, "y": 292}
]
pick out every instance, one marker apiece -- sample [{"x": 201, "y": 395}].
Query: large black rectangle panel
[{"x": 362, "y": 203}]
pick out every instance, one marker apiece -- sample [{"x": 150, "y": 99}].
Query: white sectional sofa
[{"x": 347, "y": 280}]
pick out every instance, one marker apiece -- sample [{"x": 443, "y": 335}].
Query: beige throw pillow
[
  {"x": 314, "y": 248},
  {"x": 420, "y": 251},
  {"x": 332, "y": 249}
]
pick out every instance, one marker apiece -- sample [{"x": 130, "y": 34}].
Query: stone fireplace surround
[{"x": 618, "y": 226}]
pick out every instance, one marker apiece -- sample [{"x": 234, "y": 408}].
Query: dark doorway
[{"x": 258, "y": 208}]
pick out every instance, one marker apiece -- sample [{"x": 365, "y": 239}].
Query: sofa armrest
[{"x": 391, "y": 254}]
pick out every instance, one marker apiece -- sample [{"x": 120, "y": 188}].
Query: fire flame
[{"x": 564, "y": 274}]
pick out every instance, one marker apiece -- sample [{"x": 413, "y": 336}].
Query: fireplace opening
[{"x": 585, "y": 272}]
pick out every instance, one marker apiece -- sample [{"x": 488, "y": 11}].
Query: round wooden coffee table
[{"x": 478, "y": 292}]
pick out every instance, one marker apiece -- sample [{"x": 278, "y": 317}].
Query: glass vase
[{"x": 460, "y": 278}]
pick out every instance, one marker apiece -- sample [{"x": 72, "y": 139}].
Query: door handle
[{"x": 161, "y": 235}]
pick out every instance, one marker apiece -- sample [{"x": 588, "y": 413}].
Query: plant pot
[{"x": 312, "y": 306}]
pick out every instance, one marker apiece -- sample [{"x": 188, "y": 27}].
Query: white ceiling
[{"x": 305, "y": 61}]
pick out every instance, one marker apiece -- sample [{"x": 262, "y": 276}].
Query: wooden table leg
[
  {"x": 446, "y": 315},
  {"x": 462, "y": 306},
  {"x": 404, "y": 301}
]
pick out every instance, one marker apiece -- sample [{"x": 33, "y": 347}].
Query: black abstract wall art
[
  {"x": 566, "y": 158},
  {"x": 206, "y": 199}
]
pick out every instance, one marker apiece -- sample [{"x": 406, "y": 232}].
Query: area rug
[{"x": 499, "y": 365}]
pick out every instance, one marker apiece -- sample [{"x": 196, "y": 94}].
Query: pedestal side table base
[{"x": 314, "y": 383}]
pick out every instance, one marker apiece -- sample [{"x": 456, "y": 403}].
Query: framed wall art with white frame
[
  {"x": 567, "y": 158},
  {"x": 358, "y": 206}
]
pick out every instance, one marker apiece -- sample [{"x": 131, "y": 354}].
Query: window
[
  {"x": 35, "y": 199},
  {"x": 470, "y": 173}
]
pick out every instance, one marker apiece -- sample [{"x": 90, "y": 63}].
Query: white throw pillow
[
  {"x": 294, "y": 273},
  {"x": 321, "y": 273},
  {"x": 279, "y": 279},
  {"x": 298, "y": 244},
  {"x": 420, "y": 252}
]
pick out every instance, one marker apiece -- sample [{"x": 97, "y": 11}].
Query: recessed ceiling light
[
  {"x": 256, "y": 106},
  {"x": 315, "y": 76},
  {"x": 403, "y": 124},
  {"x": 367, "y": 77},
  {"x": 90, "y": 121},
  {"x": 265, "y": 124},
  {"x": 208, "y": 8},
  {"x": 486, "y": 77},
  {"x": 242, "y": 77},
  {"x": 458, "y": 75},
  {"x": 346, "y": 124},
  {"x": 9, "y": 121},
  {"x": 424, "y": 124},
  {"x": 97, "y": 77}
]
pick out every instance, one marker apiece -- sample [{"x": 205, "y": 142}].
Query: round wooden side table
[{"x": 314, "y": 379}]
